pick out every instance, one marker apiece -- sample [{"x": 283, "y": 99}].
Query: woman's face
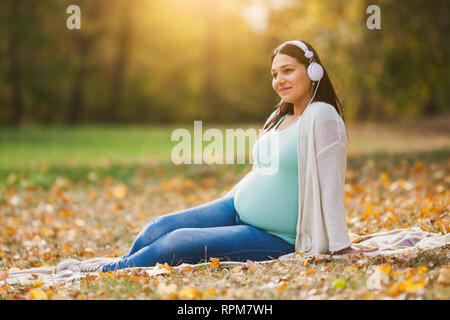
[{"x": 290, "y": 74}]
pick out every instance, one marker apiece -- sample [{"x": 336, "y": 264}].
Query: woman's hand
[{"x": 352, "y": 250}]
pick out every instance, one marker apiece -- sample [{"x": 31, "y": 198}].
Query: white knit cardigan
[{"x": 322, "y": 163}]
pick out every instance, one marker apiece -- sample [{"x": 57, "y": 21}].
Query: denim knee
[
  {"x": 147, "y": 233},
  {"x": 174, "y": 240}
]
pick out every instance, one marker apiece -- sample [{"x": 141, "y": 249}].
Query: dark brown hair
[{"x": 325, "y": 92}]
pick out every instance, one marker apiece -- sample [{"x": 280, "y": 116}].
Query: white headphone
[{"x": 315, "y": 70}]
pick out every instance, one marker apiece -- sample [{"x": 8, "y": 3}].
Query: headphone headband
[{"x": 308, "y": 53}]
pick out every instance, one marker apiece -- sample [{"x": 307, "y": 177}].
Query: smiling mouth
[{"x": 285, "y": 89}]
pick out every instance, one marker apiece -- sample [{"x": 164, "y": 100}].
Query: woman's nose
[
  {"x": 281, "y": 76},
  {"x": 279, "y": 81}
]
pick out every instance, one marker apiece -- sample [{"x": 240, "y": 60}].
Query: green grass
[
  {"x": 39, "y": 155},
  {"x": 102, "y": 145},
  {"x": 72, "y": 146},
  {"x": 37, "y": 147}
]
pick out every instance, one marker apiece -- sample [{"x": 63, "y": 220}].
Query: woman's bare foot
[{"x": 352, "y": 250}]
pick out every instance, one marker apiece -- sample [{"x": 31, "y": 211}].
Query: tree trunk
[
  {"x": 15, "y": 68},
  {"x": 77, "y": 95},
  {"x": 364, "y": 108},
  {"x": 212, "y": 97},
  {"x": 120, "y": 65}
]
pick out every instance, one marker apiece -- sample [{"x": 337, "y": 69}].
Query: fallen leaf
[
  {"x": 411, "y": 286},
  {"x": 186, "y": 270},
  {"x": 4, "y": 275},
  {"x": 38, "y": 294},
  {"x": 64, "y": 213},
  {"x": 251, "y": 267},
  {"x": 339, "y": 283},
  {"x": 385, "y": 268},
  {"x": 210, "y": 292},
  {"x": 214, "y": 263},
  {"x": 67, "y": 247},
  {"x": 190, "y": 293},
  {"x": 281, "y": 287},
  {"x": 120, "y": 191}
]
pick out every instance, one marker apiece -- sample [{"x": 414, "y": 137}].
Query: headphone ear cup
[{"x": 315, "y": 71}]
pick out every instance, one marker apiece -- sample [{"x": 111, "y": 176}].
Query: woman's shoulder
[
  {"x": 322, "y": 108},
  {"x": 323, "y": 111}
]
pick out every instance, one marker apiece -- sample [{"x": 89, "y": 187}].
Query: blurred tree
[
  {"x": 17, "y": 21},
  {"x": 84, "y": 42},
  {"x": 212, "y": 98},
  {"x": 123, "y": 42},
  {"x": 164, "y": 61}
]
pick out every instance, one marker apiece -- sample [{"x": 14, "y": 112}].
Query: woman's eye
[{"x": 275, "y": 74}]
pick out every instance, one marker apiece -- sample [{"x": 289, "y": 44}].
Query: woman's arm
[{"x": 331, "y": 160}]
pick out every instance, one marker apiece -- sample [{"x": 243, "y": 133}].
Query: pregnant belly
[{"x": 269, "y": 202}]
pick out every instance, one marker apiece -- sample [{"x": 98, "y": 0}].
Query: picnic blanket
[{"x": 396, "y": 242}]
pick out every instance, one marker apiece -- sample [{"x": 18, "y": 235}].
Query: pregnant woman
[{"x": 292, "y": 199}]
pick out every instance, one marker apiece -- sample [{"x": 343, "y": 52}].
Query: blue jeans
[{"x": 213, "y": 229}]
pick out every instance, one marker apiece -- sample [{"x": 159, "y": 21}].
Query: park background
[{"x": 87, "y": 115}]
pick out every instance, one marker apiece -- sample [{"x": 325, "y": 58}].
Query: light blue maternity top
[{"x": 268, "y": 199}]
